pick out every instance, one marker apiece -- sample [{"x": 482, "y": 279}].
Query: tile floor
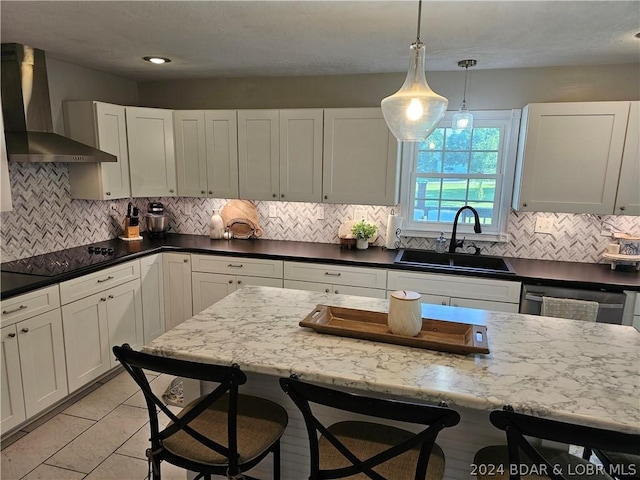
[{"x": 101, "y": 436}]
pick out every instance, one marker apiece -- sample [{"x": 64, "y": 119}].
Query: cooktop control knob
[
  {"x": 110, "y": 251},
  {"x": 103, "y": 250},
  {"x": 90, "y": 249}
]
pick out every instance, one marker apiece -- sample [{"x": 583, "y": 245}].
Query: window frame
[{"x": 509, "y": 121}]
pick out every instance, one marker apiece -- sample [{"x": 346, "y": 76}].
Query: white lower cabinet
[
  {"x": 347, "y": 280},
  {"x": 99, "y": 320},
  {"x": 176, "y": 269},
  {"x": 215, "y": 276},
  {"x": 458, "y": 290},
  {"x": 208, "y": 288},
  {"x": 93, "y": 325},
  {"x": 32, "y": 365},
  {"x": 151, "y": 280}
]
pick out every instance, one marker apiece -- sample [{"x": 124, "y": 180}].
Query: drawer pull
[
  {"x": 21, "y": 307},
  {"x": 235, "y": 265},
  {"x": 106, "y": 279},
  {"x": 12, "y": 335},
  {"x": 333, "y": 274},
  {"x": 111, "y": 296},
  {"x": 326, "y": 290},
  {"x": 25, "y": 330}
]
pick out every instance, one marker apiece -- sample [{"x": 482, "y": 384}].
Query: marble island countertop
[{"x": 587, "y": 373}]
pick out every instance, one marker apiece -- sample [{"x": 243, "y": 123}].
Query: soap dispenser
[{"x": 441, "y": 243}]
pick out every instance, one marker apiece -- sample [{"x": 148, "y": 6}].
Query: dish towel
[{"x": 569, "y": 308}]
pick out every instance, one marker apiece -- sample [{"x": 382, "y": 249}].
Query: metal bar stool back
[
  {"x": 368, "y": 450},
  {"x": 524, "y": 457},
  {"x": 220, "y": 433}
]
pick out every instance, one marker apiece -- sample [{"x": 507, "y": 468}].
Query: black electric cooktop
[{"x": 63, "y": 261}]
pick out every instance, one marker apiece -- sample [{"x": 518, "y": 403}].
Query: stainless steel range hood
[{"x": 26, "y": 108}]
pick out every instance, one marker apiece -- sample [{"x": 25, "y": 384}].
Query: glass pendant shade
[
  {"x": 462, "y": 119},
  {"x": 414, "y": 111}
]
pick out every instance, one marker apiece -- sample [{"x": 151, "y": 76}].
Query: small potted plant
[{"x": 362, "y": 232}]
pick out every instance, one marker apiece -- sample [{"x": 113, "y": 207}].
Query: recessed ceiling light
[{"x": 157, "y": 60}]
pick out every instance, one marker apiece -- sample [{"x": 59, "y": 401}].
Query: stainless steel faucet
[{"x": 476, "y": 228}]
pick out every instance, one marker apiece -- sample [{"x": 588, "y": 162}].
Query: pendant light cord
[
  {"x": 464, "y": 95},
  {"x": 419, "y": 18}
]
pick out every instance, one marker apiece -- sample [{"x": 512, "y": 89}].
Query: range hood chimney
[{"x": 26, "y": 108}]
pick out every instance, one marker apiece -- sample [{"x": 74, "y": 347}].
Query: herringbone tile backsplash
[{"x": 46, "y": 219}]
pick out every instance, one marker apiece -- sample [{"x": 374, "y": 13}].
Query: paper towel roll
[{"x": 394, "y": 223}]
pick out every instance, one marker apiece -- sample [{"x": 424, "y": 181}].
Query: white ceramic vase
[
  {"x": 362, "y": 243},
  {"x": 405, "y": 313},
  {"x": 216, "y": 227}
]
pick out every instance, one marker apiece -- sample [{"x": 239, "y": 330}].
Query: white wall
[{"x": 487, "y": 89}]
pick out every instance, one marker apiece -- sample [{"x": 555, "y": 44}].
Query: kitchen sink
[{"x": 453, "y": 261}]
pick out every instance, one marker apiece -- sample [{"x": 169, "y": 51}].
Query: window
[{"x": 453, "y": 168}]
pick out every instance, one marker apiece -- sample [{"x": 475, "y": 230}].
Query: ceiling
[{"x": 286, "y": 38}]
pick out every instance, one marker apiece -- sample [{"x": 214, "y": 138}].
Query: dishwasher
[{"x": 610, "y": 304}]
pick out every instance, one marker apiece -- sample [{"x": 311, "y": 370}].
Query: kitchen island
[{"x": 586, "y": 373}]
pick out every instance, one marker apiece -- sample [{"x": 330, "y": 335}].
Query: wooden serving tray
[{"x": 441, "y": 335}]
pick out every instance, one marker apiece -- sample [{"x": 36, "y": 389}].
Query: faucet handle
[{"x": 477, "y": 249}]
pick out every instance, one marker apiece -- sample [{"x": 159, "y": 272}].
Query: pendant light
[
  {"x": 413, "y": 112},
  {"x": 463, "y": 119}
]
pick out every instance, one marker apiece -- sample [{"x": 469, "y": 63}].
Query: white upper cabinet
[
  {"x": 360, "y": 163},
  {"x": 259, "y": 154},
  {"x": 301, "y": 155},
  {"x": 101, "y": 125},
  {"x": 569, "y": 157},
  {"x": 151, "y": 152},
  {"x": 206, "y": 153},
  {"x": 628, "y": 198},
  {"x": 280, "y": 154}
]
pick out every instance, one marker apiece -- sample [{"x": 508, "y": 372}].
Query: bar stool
[
  {"x": 220, "y": 433},
  {"x": 520, "y": 459},
  {"x": 369, "y": 450}
]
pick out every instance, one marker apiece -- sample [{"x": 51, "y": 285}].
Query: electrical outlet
[
  {"x": 187, "y": 209},
  {"x": 273, "y": 212},
  {"x": 605, "y": 233},
  {"x": 319, "y": 212},
  {"x": 359, "y": 213},
  {"x": 544, "y": 225},
  {"x": 113, "y": 206}
]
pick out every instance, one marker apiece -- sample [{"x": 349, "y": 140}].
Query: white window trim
[{"x": 511, "y": 119}]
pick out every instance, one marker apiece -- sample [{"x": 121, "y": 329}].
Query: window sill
[{"x": 476, "y": 237}]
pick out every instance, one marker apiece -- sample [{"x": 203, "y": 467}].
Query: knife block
[{"x": 131, "y": 231}]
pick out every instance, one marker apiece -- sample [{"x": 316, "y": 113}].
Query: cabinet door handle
[
  {"x": 103, "y": 299},
  {"x": 106, "y": 279},
  {"x": 444, "y": 303},
  {"x": 282, "y": 195},
  {"x": 525, "y": 204},
  {"x": 186, "y": 260},
  {"x": 21, "y": 307},
  {"x": 333, "y": 274},
  {"x": 274, "y": 195},
  {"x": 326, "y": 197},
  {"x": 210, "y": 192},
  {"x": 202, "y": 192},
  {"x": 239, "y": 282},
  {"x": 111, "y": 296},
  {"x": 108, "y": 194},
  {"x": 25, "y": 330},
  {"x": 230, "y": 281},
  {"x": 623, "y": 208},
  {"x": 235, "y": 265},
  {"x": 171, "y": 190},
  {"x": 12, "y": 335},
  {"x": 327, "y": 290},
  {"x": 336, "y": 292}
]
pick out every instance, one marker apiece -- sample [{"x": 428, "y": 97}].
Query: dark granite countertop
[{"x": 544, "y": 272}]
